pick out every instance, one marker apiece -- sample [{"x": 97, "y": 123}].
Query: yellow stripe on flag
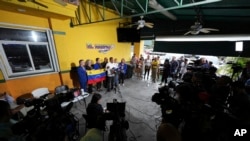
[{"x": 95, "y": 72}]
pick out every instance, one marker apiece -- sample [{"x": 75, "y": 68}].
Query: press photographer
[{"x": 169, "y": 105}]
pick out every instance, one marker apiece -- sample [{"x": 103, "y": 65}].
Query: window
[{"x": 26, "y": 52}]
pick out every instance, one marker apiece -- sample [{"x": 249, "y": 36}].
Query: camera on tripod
[
  {"x": 120, "y": 125},
  {"x": 117, "y": 108}
]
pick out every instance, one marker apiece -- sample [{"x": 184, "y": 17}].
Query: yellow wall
[
  {"x": 139, "y": 48},
  {"x": 22, "y": 19},
  {"x": 70, "y": 46}
]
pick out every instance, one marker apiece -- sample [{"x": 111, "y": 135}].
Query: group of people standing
[
  {"x": 141, "y": 67},
  {"x": 115, "y": 73},
  {"x": 170, "y": 68}
]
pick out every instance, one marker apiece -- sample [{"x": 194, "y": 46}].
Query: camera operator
[
  {"x": 195, "y": 118},
  {"x": 220, "y": 92},
  {"x": 94, "y": 110},
  {"x": 95, "y": 134},
  {"x": 167, "y": 132},
  {"x": 240, "y": 102},
  {"x": 6, "y": 133}
]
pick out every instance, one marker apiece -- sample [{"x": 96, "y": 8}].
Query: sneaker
[
  {"x": 122, "y": 84},
  {"x": 160, "y": 84}
]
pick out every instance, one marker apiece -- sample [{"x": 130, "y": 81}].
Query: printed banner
[
  {"x": 95, "y": 76},
  {"x": 102, "y": 48}
]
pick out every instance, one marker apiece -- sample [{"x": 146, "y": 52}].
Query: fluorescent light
[
  {"x": 238, "y": 46},
  {"x": 203, "y": 38}
]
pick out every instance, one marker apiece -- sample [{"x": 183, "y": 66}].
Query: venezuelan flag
[{"x": 95, "y": 76}]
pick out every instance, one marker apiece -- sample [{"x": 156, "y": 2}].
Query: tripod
[
  {"x": 117, "y": 132},
  {"x": 117, "y": 88},
  {"x": 120, "y": 125}
]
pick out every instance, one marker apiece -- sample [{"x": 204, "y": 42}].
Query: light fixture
[
  {"x": 239, "y": 46},
  {"x": 204, "y": 38}
]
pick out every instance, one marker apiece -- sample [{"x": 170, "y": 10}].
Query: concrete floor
[{"x": 143, "y": 115}]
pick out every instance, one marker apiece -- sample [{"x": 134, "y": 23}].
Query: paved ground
[{"x": 143, "y": 114}]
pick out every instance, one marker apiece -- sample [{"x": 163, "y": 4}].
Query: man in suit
[{"x": 82, "y": 75}]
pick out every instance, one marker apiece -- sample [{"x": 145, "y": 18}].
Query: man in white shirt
[
  {"x": 117, "y": 72},
  {"x": 147, "y": 63},
  {"x": 111, "y": 69}
]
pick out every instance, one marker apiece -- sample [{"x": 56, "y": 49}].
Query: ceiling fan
[
  {"x": 197, "y": 28},
  {"x": 141, "y": 23},
  {"x": 34, "y": 1}
]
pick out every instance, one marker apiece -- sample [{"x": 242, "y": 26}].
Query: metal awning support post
[
  {"x": 146, "y": 6},
  {"x": 121, "y": 8},
  {"x": 103, "y": 9},
  {"x": 115, "y": 7},
  {"x": 90, "y": 11},
  {"x": 78, "y": 15},
  {"x": 97, "y": 8},
  {"x": 178, "y": 3},
  {"x": 85, "y": 11},
  {"x": 140, "y": 6}
]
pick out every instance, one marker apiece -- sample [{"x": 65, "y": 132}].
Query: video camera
[
  {"x": 120, "y": 125},
  {"x": 116, "y": 108},
  {"x": 114, "y": 70},
  {"x": 56, "y": 99},
  {"x": 48, "y": 120},
  {"x": 169, "y": 105}
]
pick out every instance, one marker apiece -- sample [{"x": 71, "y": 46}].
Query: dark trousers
[
  {"x": 110, "y": 82},
  {"x": 105, "y": 82},
  {"x": 146, "y": 71},
  {"x": 98, "y": 85},
  {"x": 121, "y": 78},
  {"x": 164, "y": 77},
  {"x": 90, "y": 88}
]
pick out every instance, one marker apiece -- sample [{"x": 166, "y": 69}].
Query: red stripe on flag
[{"x": 93, "y": 81}]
